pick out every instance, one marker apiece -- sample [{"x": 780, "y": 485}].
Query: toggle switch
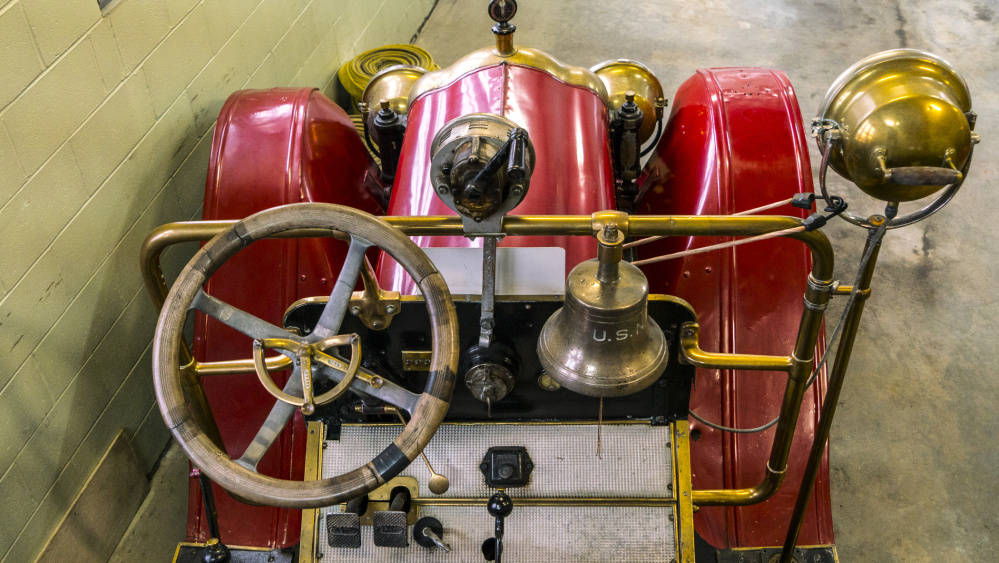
[{"x": 429, "y": 532}]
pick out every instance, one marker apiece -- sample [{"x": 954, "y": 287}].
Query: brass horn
[
  {"x": 602, "y": 342},
  {"x": 904, "y": 123}
]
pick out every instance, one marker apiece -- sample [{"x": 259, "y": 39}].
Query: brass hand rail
[
  {"x": 800, "y": 360},
  {"x": 691, "y": 353}
]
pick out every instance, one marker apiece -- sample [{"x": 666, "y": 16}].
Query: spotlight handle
[{"x": 923, "y": 176}]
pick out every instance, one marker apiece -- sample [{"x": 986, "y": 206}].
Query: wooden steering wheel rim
[{"x": 426, "y": 416}]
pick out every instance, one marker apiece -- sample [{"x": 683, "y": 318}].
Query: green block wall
[{"x": 105, "y": 129}]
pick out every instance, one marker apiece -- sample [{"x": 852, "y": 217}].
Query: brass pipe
[
  {"x": 836, "y": 378},
  {"x": 802, "y": 358},
  {"x": 794, "y": 392},
  {"x": 548, "y": 501},
  {"x": 231, "y": 367},
  {"x": 695, "y": 356},
  {"x": 844, "y": 290},
  {"x": 522, "y": 225},
  {"x": 536, "y": 225}
]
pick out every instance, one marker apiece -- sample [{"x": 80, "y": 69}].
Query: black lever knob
[{"x": 500, "y": 505}]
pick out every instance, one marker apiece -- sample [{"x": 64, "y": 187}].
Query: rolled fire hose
[{"x": 356, "y": 73}]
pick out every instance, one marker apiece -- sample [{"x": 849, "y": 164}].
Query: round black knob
[
  {"x": 500, "y": 505},
  {"x": 502, "y": 11}
]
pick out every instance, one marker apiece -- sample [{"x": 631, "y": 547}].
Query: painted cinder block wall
[{"x": 105, "y": 129}]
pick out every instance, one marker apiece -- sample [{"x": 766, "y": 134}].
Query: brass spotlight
[{"x": 903, "y": 120}]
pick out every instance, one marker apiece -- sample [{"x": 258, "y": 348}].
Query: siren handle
[{"x": 923, "y": 176}]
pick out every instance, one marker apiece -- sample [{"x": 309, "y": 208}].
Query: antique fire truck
[{"x": 547, "y": 287}]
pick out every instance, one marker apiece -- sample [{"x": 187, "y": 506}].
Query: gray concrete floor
[
  {"x": 161, "y": 521},
  {"x": 914, "y": 462}
]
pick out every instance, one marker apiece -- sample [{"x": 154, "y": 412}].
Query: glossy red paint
[
  {"x": 734, "y": 141},
  {"x": 270, "y": 147},
  {"x": 573, "y": 174}
]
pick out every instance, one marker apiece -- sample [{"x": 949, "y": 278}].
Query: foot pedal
[
  {"x": 343, "y": 529},
  {"x": 391, "y": 527}
]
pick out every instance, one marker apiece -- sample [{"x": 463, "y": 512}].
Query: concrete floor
[
  {"x": 914, "y": 462},
  {"x": 161, "y": 521}
]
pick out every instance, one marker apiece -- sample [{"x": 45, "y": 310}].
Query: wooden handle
[{"x": 923, "y": 176}]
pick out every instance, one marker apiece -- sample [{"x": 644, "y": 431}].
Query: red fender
[
  {"x": 734, "y": 141},
  {"x": 271, "y": 147}
]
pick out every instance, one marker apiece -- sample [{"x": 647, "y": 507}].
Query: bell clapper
[{"x": 600, "y": 424}]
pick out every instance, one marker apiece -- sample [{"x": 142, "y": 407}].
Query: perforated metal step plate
[
  {"x": 534, "y": 534},
  {"x": 635, "y": 462}
]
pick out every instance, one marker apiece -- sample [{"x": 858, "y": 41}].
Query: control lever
[
  {"x": 500, "y": 505},
  {"x": 428, "y": 532},
  {"x": 343, "y": 529},
  {"x": 215, "y": 550},
  {"x": 391, "y": 526},
  {"x": 439, "y": 484},
  {"x": 510, "y": 154}
]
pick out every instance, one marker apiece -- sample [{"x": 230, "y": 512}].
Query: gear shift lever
[{"x": 500, "y": 505}]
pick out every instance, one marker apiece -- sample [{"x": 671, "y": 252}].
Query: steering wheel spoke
[
  {"x": 336, "y": 307},
  {"x": 275, "y": 422},
  {"x": 371, "y": 384},
  {"x": 236, "y": 318}
]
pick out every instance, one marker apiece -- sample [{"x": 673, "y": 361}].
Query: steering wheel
[{"x": 426, "y": 410}]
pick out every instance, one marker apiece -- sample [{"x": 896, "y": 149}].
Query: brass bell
[
  {"x": 905, "y": 120},
  {"x": 602, "y": 342}
]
